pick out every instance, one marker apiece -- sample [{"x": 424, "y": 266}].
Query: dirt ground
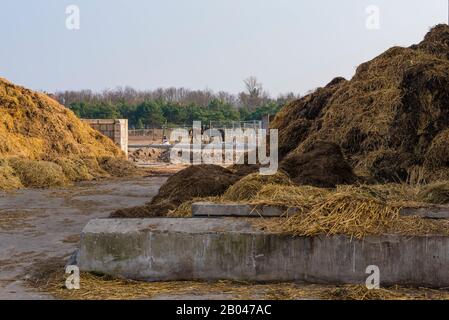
[
  {"x": 38, "y": 225},
  {"x": 40, "y": 230}
]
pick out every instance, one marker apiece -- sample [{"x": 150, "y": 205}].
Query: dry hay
[
  {"x": 390, "y": 118},
  {"x": 412, "y": 195},
  {"x": 248, "y": 187},
  {"x": 398, "y": 194},
  {"x": 38, "y": 174},
  {"x": 352, "y": 211},
  {"x": 47, "y": 145},
  {"x": 289, "y": 196},
  {"x": 94, "y": 167},
  {"x": 117, "y": 167},
  {"x": 50, "y": 278},
  {"x": 17, "y": 172},
  {"x": 74, "y": 170},
  {"x": 8, "y": 178},
  {"x": 353, "y": 292},
  {"x": 192, "y": 182},
  {"x": 184, "y": 210},
  {"x": 321, "y": 164},
  {"x": 356, "y": 211},
  {"x": 360, "y": 292},
  {"x": 436, "y": 193},
  {"x": 37, "y": 127}
]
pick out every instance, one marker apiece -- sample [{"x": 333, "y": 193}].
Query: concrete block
[
  {"x": 90, "y": 121},
  {"x": 431, "y": 212},
  {"x": 106, "y": 121},
  {"x": 115, "y": 129},
  {"x": 210, "y": 209},
  {"x": 231, "y": 249}
]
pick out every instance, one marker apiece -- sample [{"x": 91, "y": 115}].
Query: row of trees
[{"x": 174, "y": 106}]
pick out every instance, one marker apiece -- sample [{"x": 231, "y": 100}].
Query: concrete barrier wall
[
  {"x": 116, "y": 129},
  {"x": 231, "y": 249},
  {"x": 210, "y": 209}
]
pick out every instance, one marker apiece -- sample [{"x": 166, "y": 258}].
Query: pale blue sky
[{"x": 290, "y": 45}]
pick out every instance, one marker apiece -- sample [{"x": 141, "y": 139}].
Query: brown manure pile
[
  {"x": 186, "y": 185},
  {"x": 321, "y": 164},
  {"x": 391, "y": 119},
  {"x": 347, "y": 150},
  {"x": 44, "y": 144}
]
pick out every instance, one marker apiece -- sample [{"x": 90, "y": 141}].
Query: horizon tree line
[{"x": 175, "y": 106}]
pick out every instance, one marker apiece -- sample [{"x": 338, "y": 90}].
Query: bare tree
[
  {"x": 253, "y": 86},
  {"x": 251, "y": 97},
  {"x": 287, "y": 97},
  {"x": 254, "y": 95}
]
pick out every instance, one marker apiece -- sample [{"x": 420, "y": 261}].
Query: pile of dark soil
[
  {"x": 190, "y": 183},
  {"x": 321, "y": 164},
  {"x": 391, "y": 119},
  {"x": 244, "y": 169}
]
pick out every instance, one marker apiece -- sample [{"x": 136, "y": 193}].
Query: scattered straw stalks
[
  {"x": 248, "y": 187},
  {"x": 101, "y": 287},
  {"x": 342, "y": 213},
  {"x": 352, "y": 211},
  {"x": 355, "y": 211},
  {"x": 184, "y": 210},
  {"x": 360, "y": 292}
]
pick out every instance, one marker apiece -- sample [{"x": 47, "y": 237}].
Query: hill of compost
[
  {"x": 321, "y": 164},
  {"x": 44, "y": 144},
  {"x": 391, "y": 119}
]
